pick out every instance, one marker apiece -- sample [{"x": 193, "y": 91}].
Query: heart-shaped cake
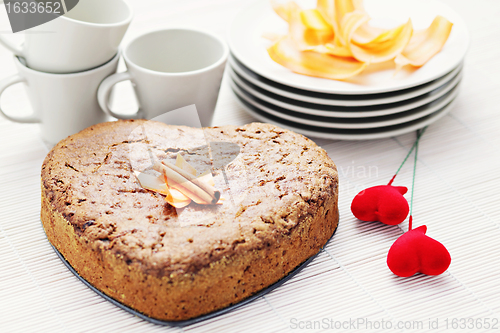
[{"x": 278, "y": 207}]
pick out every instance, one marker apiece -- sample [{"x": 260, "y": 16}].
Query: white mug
[
  {"x": 170, "y": 69},
  {"x": 86, "y": 37},
  {"x": 63, "y": 104}
]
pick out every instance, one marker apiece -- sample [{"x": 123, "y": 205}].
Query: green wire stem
[
  {"x": 410, "y": 223},
  {"x": 414, "y": 147},
  {"x": 419, "y": 135}
]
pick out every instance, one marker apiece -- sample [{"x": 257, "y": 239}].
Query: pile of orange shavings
[
  {"x": 180, "y": 184},
  {"x": 335, "y": 41}
]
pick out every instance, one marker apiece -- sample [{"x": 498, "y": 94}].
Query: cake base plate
[{"x": 199, "y": 318}]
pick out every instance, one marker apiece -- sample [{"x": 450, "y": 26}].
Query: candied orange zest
[
  {"x": 207, "y": 178},
  {"x": 327, "y": 9},
  {"x": 366, "y": 33},
  {"x": 317, "y": 30},
  {"x": 342, "y": 8},
  {"x": 178, "y": 204},
  {"x": 153, "y": 183},
  {"x": 336, "y": 41},
  {"x": 177, "y": 194},
  {"x": 384, "y": 47},
  {"x": 311, "y": 63},
  {"x": 308, "y": 28},
  {"x": 187, "y": 193},
  {"x": 181, "y": 163},
  {"x": 177, "y": 199},
  {"x": 425, "y": 43},
  {"x": 334, "y": 49},
  {"x": 284, "y": 9}
]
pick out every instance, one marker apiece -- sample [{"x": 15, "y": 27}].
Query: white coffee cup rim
[
  {"x": 127, "y": 20},
  {"x": 222, "y": 59},
  {"x": 76, "y": 74}
]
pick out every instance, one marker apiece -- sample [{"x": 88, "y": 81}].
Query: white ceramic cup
[
  {"x": 86, "y": 37},
  {"x": 63, "y": 104},
  {"x": 170, "y": 69}
]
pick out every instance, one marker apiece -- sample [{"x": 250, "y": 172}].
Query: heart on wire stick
[
  {"x": 384, "y": 203},
  {"x": 415, "y": 252}
]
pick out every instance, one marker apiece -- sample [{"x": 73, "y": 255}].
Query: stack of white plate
[{"x": 378, "y": 103}]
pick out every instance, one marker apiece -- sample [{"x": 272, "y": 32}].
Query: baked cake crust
[{"x": 280, "y": 209}]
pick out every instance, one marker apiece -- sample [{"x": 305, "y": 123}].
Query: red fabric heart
[
  {"x": 384, "y": 203},
  {"x": 415, "y": 252}
]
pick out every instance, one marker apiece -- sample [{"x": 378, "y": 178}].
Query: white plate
[
  {"x": 342, "y": 111},
  {"x": 347, "y": 123},
  {"x": 338, "y": 100},
  {"x": 347, "y": 134},
  {"x": 248, "y": 46}
]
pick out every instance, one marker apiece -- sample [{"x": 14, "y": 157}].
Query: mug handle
[
  {"x": 4, "y": 84},
  {"x": 105, "y": 91},
  {"x": 16, "y": 49}
]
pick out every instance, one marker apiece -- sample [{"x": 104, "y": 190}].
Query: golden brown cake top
[{"x": 271, "y": 179}]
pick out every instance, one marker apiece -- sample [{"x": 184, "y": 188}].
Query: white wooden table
[{"x": 457, "y": 196}]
